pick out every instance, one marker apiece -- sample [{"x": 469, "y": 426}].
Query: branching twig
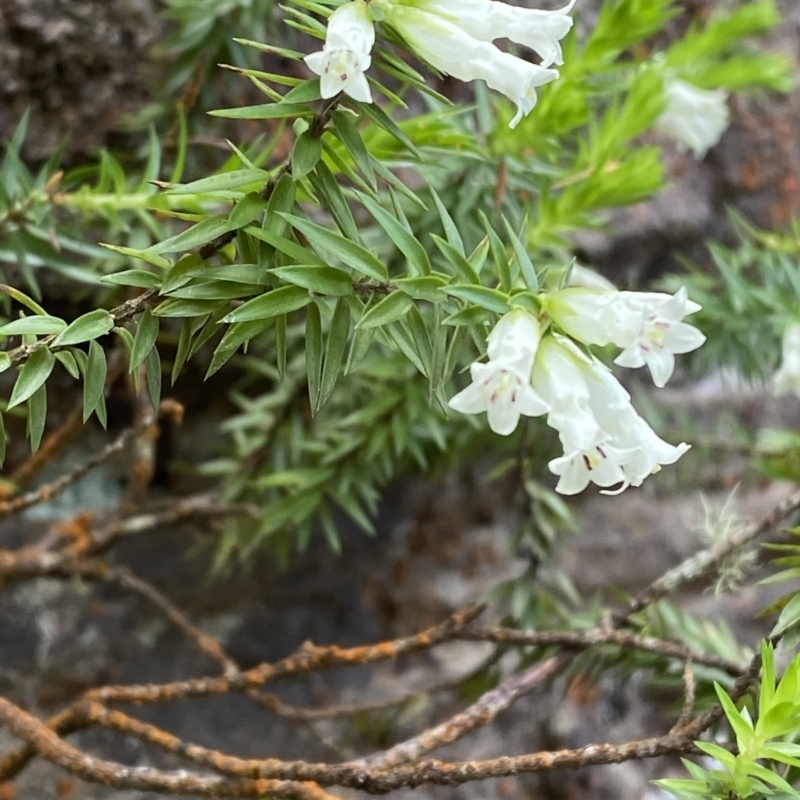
[
  {"x": 478, "y": 715},
  {"x": 706, "y": 561},
  {"x": 594, "y": 637}
]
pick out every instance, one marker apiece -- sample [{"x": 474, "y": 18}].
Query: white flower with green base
[{"x": 345, "y": 56}]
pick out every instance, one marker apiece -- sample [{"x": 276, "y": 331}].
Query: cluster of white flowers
[
  {"x": 455, "y": 38},
  {"x": 605, "y": 440}
]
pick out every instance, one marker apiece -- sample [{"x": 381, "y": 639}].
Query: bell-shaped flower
[
  {"x": 456, "y": 39},
  {"x": 601, "y": 464},
  {"x": 503, "y": 392},
  {"x": 605, "y": 440},
  {"x": 502, "y": 386},
  {"x": 648, "y": 326},
  {"x": 345, "y": 56},
  {"x": 787, "y": 379},
  {"x": 488, "y": 20},
  {"x": 695, "y": 118},
  {"x": 661, "y": 334}
]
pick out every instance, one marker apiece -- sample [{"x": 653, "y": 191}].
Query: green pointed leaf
[
  {"x": 525, "y": 264},
  {"x": 140, "y": 278},
  {"x": 450, "y": 229},
  {"x": 313, "y": 348},
  {"x": 147, "y": 256},
  {"x": 37, "y": 416},
  {"x": 247, "y": 210},
  {"x": 266, "y": 111},
  {"x": 271, "y": 304},
  {"x": 39, "y": 326},
  {"x": 305, "y": 154},
  {"x": 94, "y": 380},
  {"x": 68, "y": 361},
  {"x": 338, "y": 335},
  {"x": 352, "y": 254},
  {"x": 32, "y": 376},
  {"x": 152, "y": 365},
  {"x": 21, "y": 297},
  {"x": 322, "y": 280},
  {"x": 481, "y": 296},
  {"x": 350, "y": 137},
  {"x": 327, "y": 187},
  {"x": 146, "y": 335},
  {"x": 386, "y": 310},
  {"x": 402, "y": 237},
  {"x": 90, "y": 326},
  {"x": 225, "y": 181},
  {"x": 425, "y": 288}
]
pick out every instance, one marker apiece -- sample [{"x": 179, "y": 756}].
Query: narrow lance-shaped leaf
[
  {"x": 152, "y": 364},
  {"x": 271, "y": 304},
  {"x": 313, "y": 348},
  {"x": 305, "y": 154},
  {"x": 146, "y": 335},
  {"x": 387, "y": 310},
  {"x": 32, "y": 376},
  {"x": 90, "y": 326},
  {"x": 37, "y": 416},
  {"x": 94, "y": 380},
  {"x": 334, "y": 351}
]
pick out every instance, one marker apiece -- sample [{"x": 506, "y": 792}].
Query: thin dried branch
[
  {"x": 594, "y": 637},
  {"x": 49, "y": 448},
  {"x": 119, "y": 776},
  {"x": 50, "y": 490},
  {"x": 122, "y": 313},
  {"x": 478, "y": 715},
  {"x": 277, "y": 706},
  {"x": 707, "y": 561},
  {"x": 252, "y": 773},
  {"x": 99, "y": 570},
  {"x": 309, "y": 658}
]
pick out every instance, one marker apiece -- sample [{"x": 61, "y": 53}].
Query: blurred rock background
[{"x": 86, "y": 68}]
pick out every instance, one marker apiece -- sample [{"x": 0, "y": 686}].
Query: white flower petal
[
  {"x": 787, "y": 379},
  {"x": 661, "y": 364},
  {"x": 439, "y": 38},
  {"x": 683, "y": 338},
  {"x": 471, "y": 400},
  {"x": 694, "y": 117}
]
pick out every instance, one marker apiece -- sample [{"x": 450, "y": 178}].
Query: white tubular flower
[
  {"x": 502, "y": 387},
  {"x": 647, "y": 325},
  {"x": 488, "y": 20},
  {"x": 600, "y": 464},
  {"x": 345, "y": 56},
  {"x": 695, "y": 118},
  {"x": 787, "y": 379},
  {"x": 502, "y": 392},
  {"x": 605, "y": 440},
  {"x": 456, "y": 39},
  {"x": 661, "y": 334}
]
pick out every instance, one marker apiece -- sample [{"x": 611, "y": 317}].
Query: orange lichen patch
[
  {"x": 172, "y": 409},
  {"x": 77, "y": 531},
  {"x": 8, "y": 791},
  {"x": 752, "y": 175},
  {"x": 65, "y": 787},
  {"x": 583, "y": 690}
]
